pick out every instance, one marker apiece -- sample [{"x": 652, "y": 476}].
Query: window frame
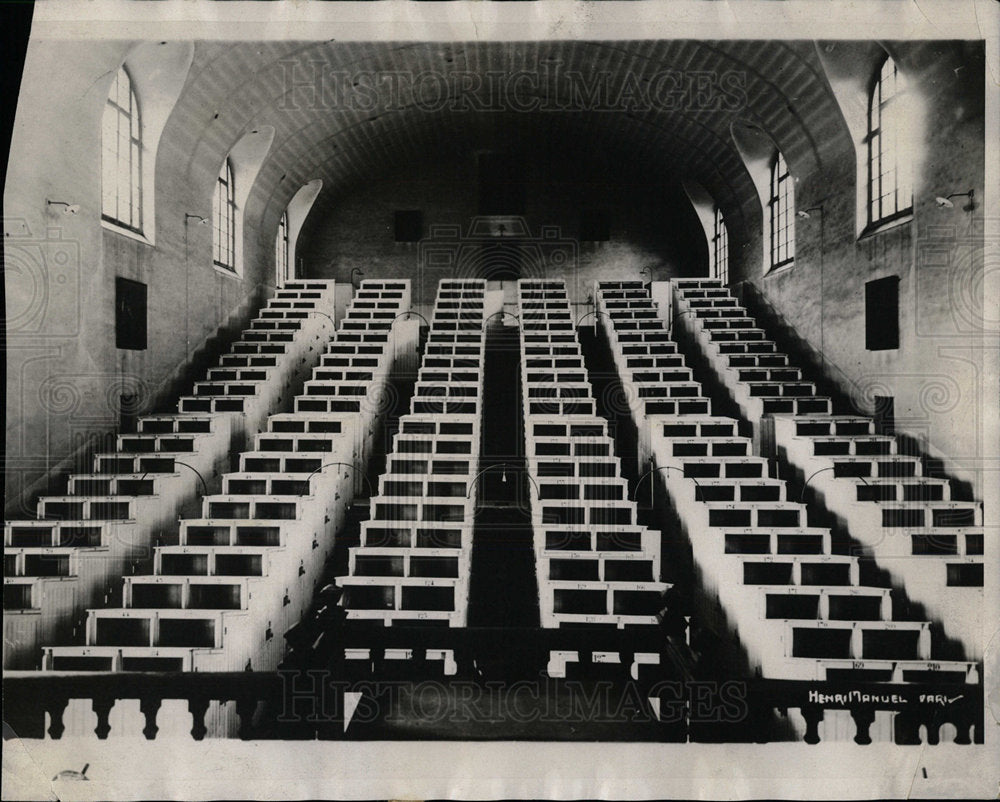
[
  {"x": 225, "y": 182},
  {"x": 281, "y": 249},
  {"x": 135, "y": 166},
  {"x": 720, "y": 247},
  {"x": 876, "y": 134},
  {"x": 781, "y": 208}
]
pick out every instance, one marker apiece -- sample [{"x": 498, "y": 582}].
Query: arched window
[
  {"x": 224, "y": 218},
  {"x": 890, "y": 190},
  {"x": 281, "y": 250},
  {"x": 781, "y": 206},
  {"x": 720, "y": 248},
  {"x": 121, "y": 160}
]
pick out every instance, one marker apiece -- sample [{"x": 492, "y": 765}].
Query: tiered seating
[
  {"x": 412, "y": 566},
  {"x": 290, "y": 332},
  {"x": 800, "y": 611},
  {"x": 596, "y": 566},
  {"x": 931, "y": 545},
  {"x": 654, "y": 376},
  {"x": 83, "y": 541},
  {"x": 346, "y": 380},
  {"x": 244, "y": 571}
]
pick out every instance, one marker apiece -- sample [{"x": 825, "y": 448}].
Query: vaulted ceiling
[{"x": 346, "y": 112}]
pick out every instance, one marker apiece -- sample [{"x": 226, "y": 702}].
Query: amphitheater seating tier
[
  {"x": 799, "y": 610},
  {"x": 109, "y": 519},
  {"x": 931, "y": 544},
  {"x": 244, "y": 570}
]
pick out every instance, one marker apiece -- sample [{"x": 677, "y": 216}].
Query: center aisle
[{"x": 503, "y": 590}]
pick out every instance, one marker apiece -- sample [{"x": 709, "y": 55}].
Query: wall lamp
[
  {"x": 945, "y": 202},
  {"x": 202, "y": 221},
  {"x": 804, "y": 214},
  {"x": 69, "y": 208}
]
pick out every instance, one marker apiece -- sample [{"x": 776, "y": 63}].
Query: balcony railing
[{"x": 309, "y": 703}]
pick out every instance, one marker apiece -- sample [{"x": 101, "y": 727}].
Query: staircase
[
  {"x": 106, "y": 524},
  {"x": 245, "y": 570},
  {"x": 596, "y": 566},
  {"x": 412, "y": 566},
  {"x": 904, "y": 520},
  {"x": 799, "y": 610}
]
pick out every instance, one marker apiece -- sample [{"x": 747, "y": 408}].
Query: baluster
[
  {"x": 813, "y": 714},
  {"x": 102, "y": 706},
  {"x": 907, "y": 728},
  {"x": 246, "y": 706},
  {"x": 962, "y": 725},
  {"x": 197, "y": 707},
  {"x": 933, "y": 724},
  {"x": 150, "y": 706},
  {"x": 863, "y": 717},
  {"x": 55, "y": 708},
  {"x": 761, "y": 716}
]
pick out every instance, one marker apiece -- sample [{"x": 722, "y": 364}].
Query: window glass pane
[
  {"x": 217, "y": 222},
  {"x": 281, "y": 248},
  {"x": 782, "y": 213},
  {"x": 123, "y": 178},
  {"x": 109, "y": 161},
  {"x": 134, "y": 213},
  {"x": 134, "y": 113},
  {"x": 720, "y": 243},
  {"x": 224, "y": 218}
]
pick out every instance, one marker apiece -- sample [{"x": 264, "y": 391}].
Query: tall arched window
[
  {"x": 781, "y": 207},
  {"x": 281, "y": 250},
  {"x": 121, "y": 159},
  {"x": 890, "y": 189},
  {"x": 224, "y": 218},
  {"x": 720, "y": 248}
]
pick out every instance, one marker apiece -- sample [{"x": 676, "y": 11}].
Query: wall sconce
[
  {"x": 945, "y": 202},
  {"x": 202, "y": 221},
  {"x": 804, "y": 214},
  {"x": 69, "y": 208}
]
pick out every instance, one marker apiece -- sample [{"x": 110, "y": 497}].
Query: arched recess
[
  {"x": 850, "y": 69},
  {"x": 757, "y": 148},
  {"x": 704, "y": 206},
  {"x": 247, "y": 156},
  {"x": 297, "y": 210},
  {"x": 158, "y": 71}
]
